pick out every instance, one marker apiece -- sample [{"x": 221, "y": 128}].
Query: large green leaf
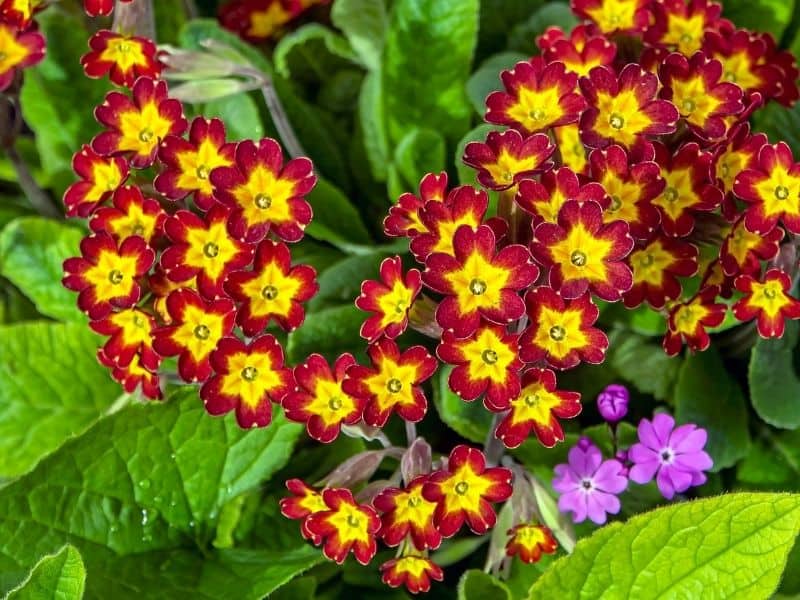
[
  {"x": 32, "y": 250},
  {"x": 329, "y": 332},
  {"x": 429, "y": 43},
  {"x": 240, "y": 114},
  {"x": 335, "y": 219},
  {"x": 420, "y": 151},
  {"x": 364, "y": 24},
  {"x": 149, "y": 477},
  {"x": 470, "y": 420},
  {"x": 312, "y": 54},
  {"x": 60, "y": 576},
  {"x": 477, "y": 585},
  {"x": 372, "y": 118},
  {"x": 707, "y": 395},
  {"x": 772, "y": 463},
  {"x": 341, "y": 283},
  {"x": 774, "y": 385},
  {"x": 771, "y": 16},
  {"x": 51, "y": 388},
  {"x": 732, "y": 546}
]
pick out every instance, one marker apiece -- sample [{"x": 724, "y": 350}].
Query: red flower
[
  {"x": 257, "y": 20},
  {"x": 18, "y": 50},
  {"x": 189, "y": 163},
  {"x": 107, "y": 275},
  {"x": 688, "y": 321},
  {"x": 737, "y": 153},
  {"x": 465, "y": 490},
  {"x": 196, "y": 325},
  {"x": 123, "y": 58},
  {"x": 131, "y": 332},
  {"x": 390, "y": 299},
  {"x": 506, "y": 158},
  {"x": 131, "y": 214},
  {"x": 529, "y": 541},
  {"x": 624, "y": 109},
  {"x": 403, "y": 219},
  {"x": 631, "y": 188},
  {"x": 100, "y": 177},
  {"x": 99, "y": 8},
  {"x": 345, "y": 526},
  {"x": 581, "y": 52},
  {"x": 571, "y": 148},
  {"x": 479, "y": 282},
  {"x": 742, "y": 55},
  {"x": 772, "y": 189},
  {"x": 584, "y": 253},
  {"x": 19, "y": 13},
  {"x": 406, "y": 512},
  {"x": 656, "y": 268},
  {"x": 694, "y": 87},
  {"x": 681, "y": 25},
  {"x": 544, "y": 198},
  {"x": 768, "y": 301},
  {"x": 610, "y": 16},
  {"x": 538, "y": 408},
  {"x": 136, "y": 126},
  {"x": 162, "y": 287},
  {"x": 272, "y": 290},
  {"x": 266, "y": 195},
  {"x": 485, "y": 363},
  {"x": 304, "y": 502},
  {"x": 742, "y": 251},
  {"x": 689, "y": 187},
  {"x": 202, "y": 248},
  {"x": 132, "y": 376},
  {"x": 319, "y": 400},
  {"x": 246, "y": 378},
  {"x": 561, "y": 331},
  {"x": 414, "y": 572},
  {"x": 392, "y": 383},
  {"x": 785, "y": 63}
]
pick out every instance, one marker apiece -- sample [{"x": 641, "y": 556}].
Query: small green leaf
[
  {"x": 329, "y": 332},
  {"x": 707, "y": 395},
  {"x": 760, "y": 15},
  {"x": 477, "y": 585},
  {"x": 774, "y": 385},
  {"x": 372, "y": 119},
  {"x": 468, "y": 419},
  {"x": 335, "y": 219},
  {"x": 486, "y": 78},
  {"x": 312, "y": 54},
  {"x": 240, "y": 115},
  {"x": 32, "y": 251},
  {"x": 61, "y": 576},
  {"x": 731, "y": 546},
  {"x": 341, "y": 283},
  {"x": 364, "y": 24},
  {"x": 420, "y": 151},
  {"x": 773, "y": 462},
  {"x": 644, "y": 364}
]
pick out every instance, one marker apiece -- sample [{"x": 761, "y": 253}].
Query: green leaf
[
  {"x": 335, "y": 219},
  {"x": 430, "y": 41},
  {"x": 477, "y": 585},
  {"x": 732, "y": 546},
  {"x": 497, "y": 19},
  {"x": 341, "y": 283},
  {"x": 780, "y": 123},
  {"x": 312, "y": 54},
  {"x": 486, "y": 78},
  {"x": 773, "y": 462},
  {"x": 523, "y": 36},
  {"x": 61, "y": 576},
  {"x": 420, "y": 151},
  {"x": 197, "y": 31},
  {"x": 644, "y": 364},
  {"x": 32, "y": 250},
  {"x": 364, "y": 24},
  {"x": 170, "y": 17},
  {"x": 240, "y": 114},
  {"x": 329, "y": 332},
  {"x": 774, "y": 385},
  {"x": 470, "y": 420},
  {"x": 760, "y": 15},
  {"x": 371, "y": 116},
  {"x": 708, "y": 396},
  {"x": 51, "y": 388}
]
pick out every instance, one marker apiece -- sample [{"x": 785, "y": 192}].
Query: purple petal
[
  {"x": 584, "y": 463},
  {"x": 673, "y": 480},
  {"x": 565, "y": 479},
  {"x": 693, "y": 461},
  {"x": 640, "y": 453},
  {"x": 663, "y": 425},
  {"x": 597, "y": 505},
  {"x": 698, "y": 478},
  {"x": 574, "y": 502},
  {"x": 688, "y": 438},
  {"x": 608, "y": 477},
  {"x": 643, "y": 472}
]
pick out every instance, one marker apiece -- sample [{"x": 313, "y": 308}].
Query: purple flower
[
  {"x": 674, "y": 456},
  {"x": 588, "y": 485},
  {"x": 613, "y": 402}
]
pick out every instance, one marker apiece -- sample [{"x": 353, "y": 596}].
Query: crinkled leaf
[
  {"x": 312, "y": 54},
  {"x": 774, "y": 384},
  {"x": 760, "y": 15},
  {"x": 477, "y": 585},
  {"x": 420, "y": 151},
  {"x": 60, "y": 576},
  {"x": 335, "y": 219},
  {"x": 486, "y": 78},
  {"x": 364, "y": 24},
  {"x": 372, "y": 119}
]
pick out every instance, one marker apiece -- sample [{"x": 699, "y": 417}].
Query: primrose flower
[
  {"x": 100, "y": 177},
  {"x": 581, "y": 52},
  {"x": 266, "y": 195},
  {"x": 319, "y": 401},
  {"x": 403, "y": 219},
  {"x": 544, "y": 198},
  {"x": 344, "y": 527},
  {"x": 768, "y": 301},
  {"x": 479, "y": 283},
  {"x": 413, "y": 572},
  {"x": 258, "y": 20},
  {"x": 622, "y": 109},
  {"x": 741, "y": 55},
  {"x": 406, "y": 512},
  {"x": 485, "y": 363},
  {"x": 584, "y": 253},
  {"x": 247, "y": 379},
  {"x": 304, "y": 502},
  {"x": 189, "y": 162},
  {"x": 392, "y": 383},
  {"x": 538, "y": 408},
  {"x": 123, "y": 58},
  {"x": 132, "y": 376},
  {"x": 465, "y": 491},
  {"x": 560, "y": 331},
  {"x": 737, "y": 153},
  {"x": 202, "y": 248},
  {"x": 196, "y": 326},
  {"x": 611, "y": 16},
  {"x": 19, "y": 13},
  {"x": 742, "y": 252},
  {"x": 570, "y": 145},
  {"x": 589, "y": 485},
  {"x": 674, "y": 456},
  {"x": 389, "y": 299},
  {"x": 772, "y": 190},
  {"x": 18, "y": 50},
  {"x": 538, "y": 96},
  {"x": 107, "y": 274},
  {"x": 130, "y": 214},
  {"x": 272, "y": 290},
  {"x": 507, "y": 157},
  {"x": 612, "y": 402},
  {"x": 656, "y": 268},
  {"x": 131, "y": 336},
  {"x": 529, "y": 541},
  {"x": 100, "y": 8},
  {"x": 688, "y": 321},
  {"x": 681, "y": 25}
]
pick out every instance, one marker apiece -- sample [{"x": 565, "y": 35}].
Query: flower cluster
[
  {"x": 21, "y": 44},
  {"x": 259, "y": 20}
]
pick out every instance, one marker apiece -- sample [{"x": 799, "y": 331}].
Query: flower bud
[{"x": 613, "y": 402}]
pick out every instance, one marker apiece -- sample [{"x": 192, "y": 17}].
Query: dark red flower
[{"x": 123, "y": 58}]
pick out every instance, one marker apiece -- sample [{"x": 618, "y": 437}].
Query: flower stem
[
  {"x": 36, "y": 195},
  {"x": 494, "y": 448},
  {"x": 135, "y": 18},
  {"x": 279, "y": 118},
  {"x": 411, "y": 432}
]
